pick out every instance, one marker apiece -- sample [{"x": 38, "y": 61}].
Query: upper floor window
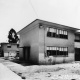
[
  {"x": 52, "y": 32},
  {"x": 77, "y": 38}
]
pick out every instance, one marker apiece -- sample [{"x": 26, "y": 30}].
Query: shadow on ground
[{"x": 22, "y": 62}]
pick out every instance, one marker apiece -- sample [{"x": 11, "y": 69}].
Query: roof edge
[
  {"x": 39, "y": 21},
  {"x": 28, "y": 24},
  {"x": 58, "y": 24}
]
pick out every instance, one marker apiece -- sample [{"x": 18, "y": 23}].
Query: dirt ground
[{"x": 67, "y": 71}]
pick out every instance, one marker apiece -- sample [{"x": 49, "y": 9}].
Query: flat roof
[
  {"x": 50, "y": 24},
  {"x": 7, "y": 43}
]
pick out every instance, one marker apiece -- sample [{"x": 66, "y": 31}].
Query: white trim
[
  {"x": 47, "y": 48},
  {"x": 47, "y": 29}
]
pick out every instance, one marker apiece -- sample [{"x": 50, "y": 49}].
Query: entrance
[
  {"x": 26, "y": 53},
  {"x": 77, "y": 54}
]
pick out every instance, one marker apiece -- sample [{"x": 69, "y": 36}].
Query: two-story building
[
  {"x": 43, "y": 42},
  {"x": 9, "y": 50}
]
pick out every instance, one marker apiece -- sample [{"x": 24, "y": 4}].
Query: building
[
  {"x": 9, "y": 50},
  {"x": 43, "y": 42},
  {"x": 77, "y": 46}
]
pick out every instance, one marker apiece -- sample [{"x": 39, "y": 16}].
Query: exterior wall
[
  {"x": 13, "y": 48},
  {"x": 45, "y": 41},
  {"x": 36, "y": 38},
  {"x": 29, "y": 38},
  {"x": 9, "y": 51}
]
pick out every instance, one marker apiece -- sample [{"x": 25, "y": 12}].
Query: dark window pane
[
  {"x": 49, "y": 34},
  {"x": 64, "y": 36},
  {"x": 48, "y": 52},
  {"x": 9, "y": 46},
  {"x": 58, "y": 52},
  {"x": 54, "y": 34},
  {"x": 66, "y": 52},
  {"x": 57, "y": 35},
  {"x": 54, "y": 52},
  {"x": 60, "y": 35}
]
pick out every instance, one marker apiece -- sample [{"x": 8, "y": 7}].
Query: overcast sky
[{"x": 18, "y": 13}]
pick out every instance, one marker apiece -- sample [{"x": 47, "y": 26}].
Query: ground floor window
[{"x": 57, "y": 51}]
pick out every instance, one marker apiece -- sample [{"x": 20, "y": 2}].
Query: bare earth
[{"x": 67, "y": 71}]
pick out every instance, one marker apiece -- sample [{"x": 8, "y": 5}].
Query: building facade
[
  {"x": 43, "y": 42},
  {"x": 77, "y": 46},
  {"x": 9, "y": 50}
]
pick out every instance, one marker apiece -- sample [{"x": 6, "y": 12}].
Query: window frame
[
  {"x": 57, "y": 51},
  {"x": 9, "y": 46}
]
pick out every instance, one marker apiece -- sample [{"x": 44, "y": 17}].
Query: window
[
  {"x": 8, "y": 46},
  {"x": 57, "y": 51},
  {"x": 61, "y": 34},
  {"x": 48, "y": 51},
  {"x": 48, "y": 33},
  {"x": 77, "y": 38},
  {"x": 66, "y": 35},
  {"x": 62, "y": 51},
  {"x": 65, "y": 51},
  {"x": 17, "y": 45},
  {"x": 52, "y": 32},
  {"x": 57, "y": 33},
  {"x": 53, "y": 51}
]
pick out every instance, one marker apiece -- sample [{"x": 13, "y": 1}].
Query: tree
[{"x": 12, "y": 36}]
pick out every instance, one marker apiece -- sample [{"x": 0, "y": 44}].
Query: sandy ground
[{"x": 67, "y": 71}]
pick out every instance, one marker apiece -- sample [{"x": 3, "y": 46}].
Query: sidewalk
[{"x": 6, "y": 74}]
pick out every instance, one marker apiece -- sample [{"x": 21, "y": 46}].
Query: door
[
  {"x": 77, "y": 54},
  {"x": 26, "y": 52}
]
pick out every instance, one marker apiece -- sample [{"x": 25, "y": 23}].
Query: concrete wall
[
  {"x": 13, "y": 47},
  {"x": 48, "y": 41},
  {"x": 9, "y": 51},
  {"x": 36, "y": 38},
  {"x": 29, "y": 37}
]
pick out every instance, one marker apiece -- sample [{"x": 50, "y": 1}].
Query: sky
[{"x": 17, "y": 14}]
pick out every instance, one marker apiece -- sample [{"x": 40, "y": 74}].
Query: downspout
[{"x": 41, "y": 26}]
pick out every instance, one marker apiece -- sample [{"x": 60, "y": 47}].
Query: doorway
[
  {"x": 26, "y": 53},
  {"x": 77, "y": 54}
]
